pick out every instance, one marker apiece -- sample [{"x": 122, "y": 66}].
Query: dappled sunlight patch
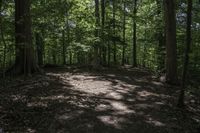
[
  {"x": 53, "y": 74},
  {"x": 55, "y": 97},
  {"x": 142, "y": 80},
  {"x": 37, "y": 104},
  {"x": 114, "y": 95},
  {"x": 113, "y": 121},
  {"x": 147, "y": 94},
  {"x": 69, "y": 116},
  {"x": 30, "y": 130},
  {"x": 111, "y": 75},
  {"x": 90, "y": 86},
  {"x": 160, "y": 103},
  {"x": 157, "y": 83},
  {"x": 165, "y": 96},
  {"x": 80, "y": 104},
  {"x": 103, "y": 107},
  {"x": 121, "y": 108},
  {"x": 131, "y": 99},
  {"x": 124, "y": 88},
  {"x": 121, "y": 91},
  {"x": 18, "y": 97},
  {"x": 154, "y": 122},
  {"x": 128, "y": 86}
]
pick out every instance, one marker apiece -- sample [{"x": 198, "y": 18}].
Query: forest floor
[{"x": 72, "y": 100}]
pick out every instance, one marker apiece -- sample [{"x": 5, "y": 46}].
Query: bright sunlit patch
[
  {"x": 114, "y": 95},
  {"x": 89, "y": 85},
  {"x": 29, "y": 130},
  {"x": 102, "y": 107},
  {"x": 157, "y": 83},
  {"x": 146, "y": 94},
  {"x": 112, "y": 121},
  {"x": 121, "y": 108},
  {"x": 155, "y": 122}
]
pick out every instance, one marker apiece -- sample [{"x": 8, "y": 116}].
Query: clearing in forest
[{"x": 79, "y": 101}]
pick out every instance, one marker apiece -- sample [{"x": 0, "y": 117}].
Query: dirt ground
[{"x": 81, "y": 101}]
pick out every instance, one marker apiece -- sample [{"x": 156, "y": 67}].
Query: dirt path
[{"x": 117, "y": 101}]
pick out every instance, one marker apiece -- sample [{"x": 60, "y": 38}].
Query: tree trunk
[
  {"x": 134, "y": 35},
  {"x": 68, "y": 30},
  {"x": 102, "y": 27},
  {"x": 40, "y": 49},
  {"x": 70, "y": 57},
  {"x": 63, "y": 48},
  {"x": 171, "y": 47},
  {"x": 124, "y": 34},
  {"x": 25, "y": 62},
  {"x": 96, "y": 61},
  {"x": 114, "y": 33},
  {"x": 3, "y": 41},
  {"x": 187, "y": 50}
]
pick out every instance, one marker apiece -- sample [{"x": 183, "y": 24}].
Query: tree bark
[
  {"x": 114, "y": 32},
  {"x": 3, "y": 41},
  {"x": 96, "y": 61},
  {"x": 40, "y": 49},
  {"x": 186, "y": 59},
  {"x": 63, "y": 48},
  {"x": 124, "y": 34},
  {"x": 171, "y": 47},
  {"x": 25, "y": 62},
  {"x": 102, "y": 28},
  {"x": 134, "y": 35}
]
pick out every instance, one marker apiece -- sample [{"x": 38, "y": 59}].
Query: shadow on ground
[{"x": 76, "y": 101}]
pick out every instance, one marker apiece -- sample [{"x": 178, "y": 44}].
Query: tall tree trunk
[
  {"x": 144, "y": 49},
  {"x": 68, "y": 29},
  {"x": 109, "y": 53},
  {"x": 187, "y": 50},
  {"x": 171, "y": 47},
  {"x": 134, "y": 35},
  {"x": 96, "y": 61},
  {"x": 102, "y": 28},
  {"x": 63, "y": 47},
  {"x": 3, "y": 41},
  {"x": 124, "y": 34},
  {"x": 70, "y": 57},
  {"x": 25, "y": 62},
  {"x": 40, "y": 49},
  {"x": 114, "y": 32}
]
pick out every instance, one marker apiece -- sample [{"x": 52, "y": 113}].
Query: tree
[
  {"x": 3, "y": 41},
  {"x": 40, "y": 48},
  {"x": 96, "y": 61},
  {"x": 102, "y": 29},
  {"x": 25, "y": 62},
  {"x": 134, "y": 35},
  {"x": 124, "y": 33},
  {"x": 187, "y": 50},
  {"x": 114, "y": 31},
  {"x": 63, "y": 47},
  {"x": 171, "y": 47}
]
